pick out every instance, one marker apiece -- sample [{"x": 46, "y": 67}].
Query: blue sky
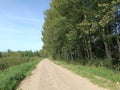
[{"x": 21, "y": 24}]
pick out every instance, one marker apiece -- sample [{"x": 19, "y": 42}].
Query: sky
[{"x": 21, "y": 24}]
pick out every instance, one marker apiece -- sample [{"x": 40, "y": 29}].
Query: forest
[{"x": 84, "y": 31}]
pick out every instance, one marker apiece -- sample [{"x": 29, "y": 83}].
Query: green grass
[
  {"x": 10, "y": 61},
  {"x": 11, "y": 77},
  {"x": 98, "y": 75}
]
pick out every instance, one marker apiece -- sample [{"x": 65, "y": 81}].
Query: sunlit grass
[
  {"x": 10, "y": 61},
  {"x": 98, "y": 75},
  {"x": 11, "y": 77}
]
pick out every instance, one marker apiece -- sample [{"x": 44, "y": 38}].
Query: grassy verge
[
  {"x": 7, "y": 62},
  {"x": 11, "y": 77},
  {"x": 98, "y": 75}
]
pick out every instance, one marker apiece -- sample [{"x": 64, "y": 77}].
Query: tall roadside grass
[
  {"x": 11, "y": 77},
  {"x": 11, "y": 58},
  {"x": 98, "y": 75},
  {"x": 12, "y": 61}
]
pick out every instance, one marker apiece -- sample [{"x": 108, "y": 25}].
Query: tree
[
  {"x": 0, "y": 54},
  {"x": 76, "y": 29}
]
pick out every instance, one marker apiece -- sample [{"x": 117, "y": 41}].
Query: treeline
[
  {"x": 83, "y": 30},
  {"x": 11, "y": 58}
]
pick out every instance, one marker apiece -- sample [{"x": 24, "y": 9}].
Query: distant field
[
  {"x": 9, "y": 59},
  {"x": 11, "y": 77}
]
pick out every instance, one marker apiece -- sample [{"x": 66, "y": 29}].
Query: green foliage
[
  {"x": 0, "y": 54},
  {"x": 9, "y": 59},
  {"x": 10, "y": 78},
  {"x": 76, "y": 29},
  {"x": 9, "y": 51}
]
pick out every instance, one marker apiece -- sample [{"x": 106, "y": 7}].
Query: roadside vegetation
[
  {"x": 11, "y": 77},
  {"x": 15, "y": 66},
  {"x": 11, "y": 58},
  {"x": 101, "y": 76}
]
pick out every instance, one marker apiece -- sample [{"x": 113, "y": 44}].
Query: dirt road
[{"x": 49, "y": 76}]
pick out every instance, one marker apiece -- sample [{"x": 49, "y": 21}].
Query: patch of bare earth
[{"x": 49, "y": 76}]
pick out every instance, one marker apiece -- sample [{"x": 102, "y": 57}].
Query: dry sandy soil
[{"x": 49, "y": 76}]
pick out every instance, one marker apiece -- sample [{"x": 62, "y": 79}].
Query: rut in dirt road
[{"x": 49, "y": 76}]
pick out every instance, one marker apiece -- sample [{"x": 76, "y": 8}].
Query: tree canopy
[{"x": 77, "y": 29}]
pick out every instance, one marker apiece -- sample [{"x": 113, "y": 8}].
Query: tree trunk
[
  {"x": 90, "y": 49},
  {"x": 106, "y": 49},
  {"x": 78, "y": 54},
  {"x": 118, "y": 42},
  {"x": 71, "y": 55},
  {"x": 86, "y": 47},
  {"x": 67, "y": 55},
  {"x": 59, "y": 54},
  {"x": 106, "y": 45}
]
